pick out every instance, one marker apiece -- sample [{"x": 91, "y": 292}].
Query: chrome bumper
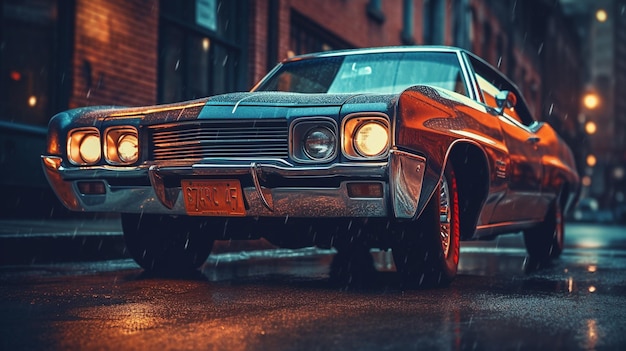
[{"x": 401, "y": 179}]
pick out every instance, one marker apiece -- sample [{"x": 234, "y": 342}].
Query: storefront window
[
  {"x": 307, "y": 37},
  {"x": 29, "y": 61},
  {"x": 200, "y": 49}
]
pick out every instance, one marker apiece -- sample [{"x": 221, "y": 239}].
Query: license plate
[{"x": 213, "y": 197}]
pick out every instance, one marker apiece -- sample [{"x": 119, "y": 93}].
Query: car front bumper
[{"x": 401, "y": 179}]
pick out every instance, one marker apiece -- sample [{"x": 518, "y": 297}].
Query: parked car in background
[
  {"x": 588, "y": 210},
  {"x": 411, "y": 149}
]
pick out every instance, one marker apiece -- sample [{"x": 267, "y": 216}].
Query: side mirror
[{"x": 505, "y": 99}]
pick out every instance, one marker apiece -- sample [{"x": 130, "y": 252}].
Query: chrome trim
[
  {"x": 196, "y": 140},
  {"x": 406, "y": 175},
  {"x": 254, "y": 167},
  {"x": 401, "y": 179}
]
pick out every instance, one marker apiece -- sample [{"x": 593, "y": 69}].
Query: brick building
[{"x": 59, "y": 54}]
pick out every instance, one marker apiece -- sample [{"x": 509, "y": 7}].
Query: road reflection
[{"x": 278, "y": 300}]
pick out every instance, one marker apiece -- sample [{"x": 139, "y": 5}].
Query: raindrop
[
  {"x": 499, "y": 61},
  {"x": 540, "y": 49},
  {"x": 225, "y": 61},
  {"x": 551, "y": 109},
  {"x": 177, "y": 64}
]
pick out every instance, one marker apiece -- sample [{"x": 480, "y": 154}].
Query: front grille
[{"x": 221, "y": 139}]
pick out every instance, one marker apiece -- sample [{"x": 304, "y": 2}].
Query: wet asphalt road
[{"x": 284, "y": 300}]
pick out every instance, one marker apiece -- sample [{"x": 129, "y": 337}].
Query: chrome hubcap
[{"x": 444, "y": 217}]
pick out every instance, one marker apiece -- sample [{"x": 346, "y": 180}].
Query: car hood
[
  {"x": 233, "y": 105},
  {"x": 274, "y": 98},
  {"x": 272, "y": 104}
]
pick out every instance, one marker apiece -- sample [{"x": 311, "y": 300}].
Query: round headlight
[
  {"x": 319, "y": 143},
  {"x": 371, "y": 139},
  {"x": 127, "y": 148},
  {"x": 89, "y": 148}
]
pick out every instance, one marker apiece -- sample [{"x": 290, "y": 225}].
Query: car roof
[{"x": 375, "y": 50}]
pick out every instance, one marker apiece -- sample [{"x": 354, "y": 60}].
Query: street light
[
  {"x": 591, "y": 100},
  {"x": 601, "y": 15},
  {"x": 591, "y": 160},
  {"x": 590, "y": 127}
]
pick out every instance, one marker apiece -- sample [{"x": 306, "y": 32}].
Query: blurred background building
[{"x": 59, "y": 54}]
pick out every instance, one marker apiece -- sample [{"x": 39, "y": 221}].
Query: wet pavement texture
[{"x": 285, "y": 300}]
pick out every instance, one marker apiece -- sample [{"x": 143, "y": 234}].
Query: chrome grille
[{"x": 221, "y": 139}]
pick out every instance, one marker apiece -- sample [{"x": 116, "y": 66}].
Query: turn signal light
[{"x": 365, "y": 190}]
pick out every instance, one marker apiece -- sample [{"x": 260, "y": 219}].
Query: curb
[{"x": 30, "y": 242}]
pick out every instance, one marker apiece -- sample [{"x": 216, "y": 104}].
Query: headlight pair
[
  {"x": 363, "y": 137},
  {"x": 121, "y": 146}
]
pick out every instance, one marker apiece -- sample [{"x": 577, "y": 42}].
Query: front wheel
[
  {"x": 163, "y": 243},
  {"x": 426, "y": 253}
]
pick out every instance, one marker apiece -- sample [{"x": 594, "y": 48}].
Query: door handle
[{"x": 533, "y": 139}]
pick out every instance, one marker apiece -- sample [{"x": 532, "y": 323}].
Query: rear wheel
[
  {"x": 426, "y": 253},
  {"x": 546, "y": 240},
  {"x": 163, "y": 243}
]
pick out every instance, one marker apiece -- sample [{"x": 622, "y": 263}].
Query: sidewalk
[
  {"x": 38, "y": 241},
  {"x": 24, "y": 241}
]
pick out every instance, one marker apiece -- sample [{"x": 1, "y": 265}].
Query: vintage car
[{"x": 411, "y": 149}]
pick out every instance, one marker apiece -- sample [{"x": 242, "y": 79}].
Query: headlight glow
[
  {"x": 366, "y": 136},
  {"x": 84, "y": 146},
  {"x": 371, "y": 139},
  {"x": 90, "y": 149},
  {"x": 128, "y": 148},
  {"x": 319, "y": 143},
  {"x": 121, "y": 145}
]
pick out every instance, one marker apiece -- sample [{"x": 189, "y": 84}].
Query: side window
[
  {"x": 489, "y": 92},
  {"x": 491, "y": 82}
]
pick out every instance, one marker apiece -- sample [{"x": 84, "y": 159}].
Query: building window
[
  {"x": 201, "y": 48},
  {"x": 434, "y": 22},
  {"x": 375, "y": 11},
  {"x": 33, "y": 83},
  {"x": 307, "y": 37}
]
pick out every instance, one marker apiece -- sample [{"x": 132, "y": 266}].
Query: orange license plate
[{"x": 213, "y": 197}]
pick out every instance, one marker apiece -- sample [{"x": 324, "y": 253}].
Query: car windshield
[{"x": 368, "y": 73}]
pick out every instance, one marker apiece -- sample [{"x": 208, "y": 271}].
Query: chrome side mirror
[{"x": 505, "y": 99}]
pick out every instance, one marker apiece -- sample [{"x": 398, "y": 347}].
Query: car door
[{"x": 523, "y": 169}]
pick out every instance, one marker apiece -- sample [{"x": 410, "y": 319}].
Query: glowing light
[
  {"x": 15, "y": 75},
  {"x": 591, "y": 160},
  {"x": 591, "y": 127},
  {"x": 586, "y": 181},
  {"x": 570, "y": 284},
  {"x": 371, "y": 139},
  {"x": 32, "y": 101},
  {"x": 127, "y": 148},
  {"x": 601, "y": 15},
  {"x": 591, "y": 101},
  {"x": 592, "y": 334},
  {"x": 592, "y": 289},
  {"x": 206, "y": 44},
  {"x": 592, "y": 268},
  {"x": 90, "y": 149}
]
